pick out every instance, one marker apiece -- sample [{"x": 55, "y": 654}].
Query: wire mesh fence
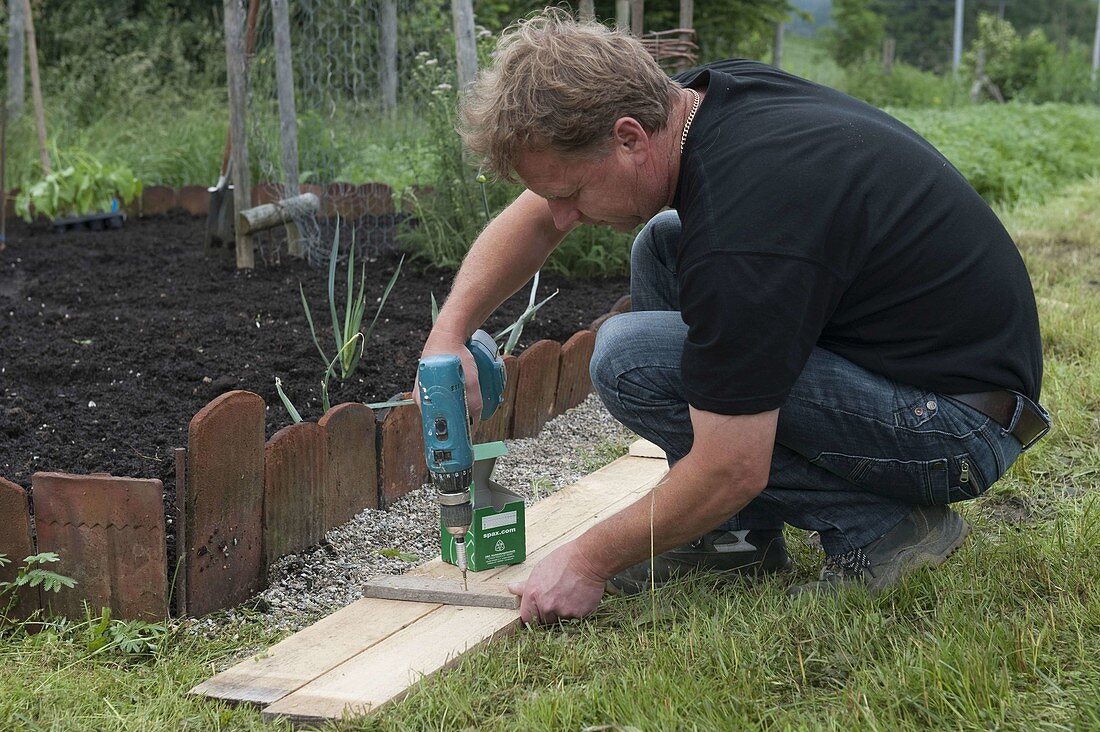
[{"x": 353, "y": 62}]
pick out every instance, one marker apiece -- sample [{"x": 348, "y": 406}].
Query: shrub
[
  {"x": 1064, "y": 78},
  {"x": 906, "y": 86},
  {"x": 1012, "y": 63}
]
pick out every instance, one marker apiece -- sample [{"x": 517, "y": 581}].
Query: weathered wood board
[
  {"x": 371, "y": 652},
  {"x": 446, "y": 592}
]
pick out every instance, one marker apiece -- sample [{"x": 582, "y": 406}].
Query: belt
[{"x": 1002, "y": 406}]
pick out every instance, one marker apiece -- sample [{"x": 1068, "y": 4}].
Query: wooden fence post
[
  {"x": 238, "y": 108},
  {"x": 687, "y": 22},
  {"x": 587, "y": 10},
  {"x": 16, "y": 55},
  {"x": 288, "y": 120},
  {"x": 36, "y": 90},
  {"x": 462, "y": 15},
  {"x": 389, "y": 55},
  {"x": 622, "y": 15},
  {"x": 637, "y": 18}
]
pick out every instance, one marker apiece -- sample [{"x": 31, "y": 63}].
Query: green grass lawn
[{"x": 1006, "y": 635}]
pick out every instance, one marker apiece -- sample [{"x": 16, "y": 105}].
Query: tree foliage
[
  {"x": 859, "y": 30},
  {"x": 1011, "y": 61},
  {"x": 924, "y": 29}
]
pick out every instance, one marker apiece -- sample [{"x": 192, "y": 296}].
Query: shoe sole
[
  {"x": 946, "y": 543},
  {"x": 922, "y": 555}
]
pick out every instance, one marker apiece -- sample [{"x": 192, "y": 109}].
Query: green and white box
[{"x": 497, "y": 535}]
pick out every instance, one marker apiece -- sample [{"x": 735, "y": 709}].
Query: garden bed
[{"x": 113, "y": 340}]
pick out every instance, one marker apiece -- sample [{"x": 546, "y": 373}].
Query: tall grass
[{"x": 1015, "y": 151}]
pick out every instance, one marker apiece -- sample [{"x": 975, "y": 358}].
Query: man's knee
[
  {"x": 602, "y": 368},
  {"x": 651, "y": 241}
]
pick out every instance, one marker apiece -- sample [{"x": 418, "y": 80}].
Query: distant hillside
[{"x": 818, "y": 9}]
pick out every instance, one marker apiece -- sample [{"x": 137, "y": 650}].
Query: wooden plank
[
  {"x": 395, "y": 665},
  {"x": 327, "y": 647},
  {"x": 646, "y": 449},
  {"x": 442, "y": 591},
  {"x": 286, "y": 666},
  {"x": 384, "y": 672}
]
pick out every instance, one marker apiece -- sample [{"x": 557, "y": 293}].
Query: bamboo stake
[{"x": 36, "y": 90}]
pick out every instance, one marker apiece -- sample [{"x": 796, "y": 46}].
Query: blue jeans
[{"x": 854, "y": 451}]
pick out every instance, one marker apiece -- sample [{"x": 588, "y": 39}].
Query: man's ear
[{"x": 630, "y": 137}]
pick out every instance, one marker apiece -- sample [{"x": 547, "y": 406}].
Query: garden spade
[{"x": 219, "y": 217}]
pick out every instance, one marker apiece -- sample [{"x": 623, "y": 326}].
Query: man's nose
[{"x": 565, "y": 214}]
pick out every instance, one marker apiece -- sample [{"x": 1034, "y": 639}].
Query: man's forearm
[
  {"x": 686, "y": 504},
  {"x": 504, "y": 257}
]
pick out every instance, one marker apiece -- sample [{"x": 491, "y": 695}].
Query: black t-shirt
[{"x": 810, "y": 218}]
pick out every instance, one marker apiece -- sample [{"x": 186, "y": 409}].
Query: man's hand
[
  {"x": 561, "y": 586},
  {"x": 437, "y": 346}
]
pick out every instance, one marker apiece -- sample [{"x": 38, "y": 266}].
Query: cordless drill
[{"x": 445, "y": 419}]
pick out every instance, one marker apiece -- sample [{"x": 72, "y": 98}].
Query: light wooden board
[
  {"x": 347, "y": 663},
  {"x": 386, "y": 672},
  {"x": 445, "y": 591},
  {"x": 646, "y": 449},
  {"x": 286, "y": 666}
]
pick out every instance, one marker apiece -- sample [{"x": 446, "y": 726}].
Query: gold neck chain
[{"x": 691, "y": 116}]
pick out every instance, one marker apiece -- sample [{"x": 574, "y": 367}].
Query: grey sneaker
[
  {"x": 925, "y": 538},
  {"x": 735, "y": 552}
]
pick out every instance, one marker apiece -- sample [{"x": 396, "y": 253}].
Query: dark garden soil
[{"x": 110, "y": 341}]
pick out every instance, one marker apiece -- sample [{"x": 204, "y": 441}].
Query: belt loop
[{"x": 1016, "y": 412}]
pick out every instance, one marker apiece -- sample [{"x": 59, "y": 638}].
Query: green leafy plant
[
  {"x": 348, "y": 335},
  {"x": 32, "y": 574},
  {"x": 137, "y": 637},
  {"x": 83, "y": 186},
  {"x": 514, "y": 330}
]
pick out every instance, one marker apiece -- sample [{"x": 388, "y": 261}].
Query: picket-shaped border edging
[
  {"x": 16, "y": 543},
  {"x": 235, "y": 489},
  {"x": 110, "y": 535}
]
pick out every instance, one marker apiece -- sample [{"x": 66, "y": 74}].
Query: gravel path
[{"x": 307, "y": 586}]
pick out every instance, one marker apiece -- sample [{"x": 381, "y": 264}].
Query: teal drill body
[{"x": 445, "y": 419}]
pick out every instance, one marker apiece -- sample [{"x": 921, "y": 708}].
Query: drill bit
[{"x": 460, "y": 557}]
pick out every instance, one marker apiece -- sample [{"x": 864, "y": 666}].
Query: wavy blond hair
[{"x": 558, "y": 84}]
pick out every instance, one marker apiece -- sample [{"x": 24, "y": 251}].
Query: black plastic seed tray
[{"x": 95, "y": 222}]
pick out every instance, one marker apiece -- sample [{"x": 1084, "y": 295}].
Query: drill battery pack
[{"x": 497, "y": 535}]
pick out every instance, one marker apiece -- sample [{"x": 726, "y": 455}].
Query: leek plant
[
  {"x": 349, "y": 337},
  {"x": 513, "y": 332}
]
